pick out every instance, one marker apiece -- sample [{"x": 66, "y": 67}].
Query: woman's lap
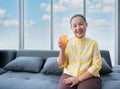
[
  {"x": 61, "y": 85},
  {"x": 92, "y": 83}
]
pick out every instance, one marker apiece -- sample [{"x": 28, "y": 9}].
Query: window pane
[
  {"x": 9, "y": 24},
  {"x": 63, "y": 10},
  {"x": 37, "y": 24},
  {"x": 101, "y": 20}
]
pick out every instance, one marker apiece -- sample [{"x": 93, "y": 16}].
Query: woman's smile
[{"x": 80, "y": 32}]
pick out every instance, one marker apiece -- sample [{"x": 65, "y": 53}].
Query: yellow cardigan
[{"x": 82, "y": 55}]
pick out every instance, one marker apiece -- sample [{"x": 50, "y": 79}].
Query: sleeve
[
  {"x": 66, "y": 61},
  {"x": 96, "y": 60}
]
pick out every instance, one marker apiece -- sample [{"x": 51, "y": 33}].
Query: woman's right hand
[
  {"x": 61, "y": 45},
  {"x": 61, "y": 57}
]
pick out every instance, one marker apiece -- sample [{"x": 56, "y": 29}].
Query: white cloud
[
  {"x": 108, "y": 1},
  {"x": 99, "y": 22},
  {"x": 46, "y": 17},
  {"x": 11, "y": 23},
  {"x": 59, "y": 8},
  {"x": 100, "y": 7},
  {"x": 107, "y": 9},
  {"x": 103, "y": 9},
  {"x": 65, "y": 24},
  {"x": 63, "y": 5},
  {"x": 45, "y": 6},
  {"x": 2, "y": 12},
  {"x": 29, "y": 23},
  {"x": 1, "y": 21},
  {"x": 65, "y": 19},
  {"x": 71, "y": 3},
  {"x": 16, "y": 23}
]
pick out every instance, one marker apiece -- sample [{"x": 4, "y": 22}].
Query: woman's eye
[
  {"x": 74, "y": 26},
  {"x": 81, "y": 24}
]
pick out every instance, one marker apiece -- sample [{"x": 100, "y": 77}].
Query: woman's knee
[{"x": 93, "y": 83}]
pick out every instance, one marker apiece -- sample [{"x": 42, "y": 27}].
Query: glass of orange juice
[{"x": 64, "y": 39}]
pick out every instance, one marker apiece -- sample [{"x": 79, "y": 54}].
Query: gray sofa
[{"x": 37, "y": 69}]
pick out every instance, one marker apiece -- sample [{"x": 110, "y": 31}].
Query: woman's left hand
[{"x": 71, "y": 80}]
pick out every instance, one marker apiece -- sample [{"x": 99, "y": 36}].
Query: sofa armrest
[
  {"x": 2, "y": 71},
  {"x": 6, "y": 56},
  {"x": 116, "y": 68}
]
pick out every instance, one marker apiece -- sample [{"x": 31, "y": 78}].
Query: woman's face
[{"x": 78, "y": 26}]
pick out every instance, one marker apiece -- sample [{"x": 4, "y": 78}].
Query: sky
[{"x": 100, "y": 16}]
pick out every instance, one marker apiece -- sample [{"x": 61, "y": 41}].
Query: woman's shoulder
[
  {"x": 91, "y": 40},
  {"x": 85, "y": 39}
]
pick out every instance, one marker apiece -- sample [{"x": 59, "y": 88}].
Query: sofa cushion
[
  {"x": 105, "y": 67},
  {"x": 24, "y": 63},
  {"x": 105, "y": 54},
  {"x": 51, "y": 67}
]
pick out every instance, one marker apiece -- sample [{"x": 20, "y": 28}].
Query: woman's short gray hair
[{"x": 78, "y": 15}]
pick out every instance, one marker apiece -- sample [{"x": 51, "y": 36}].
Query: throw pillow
[
  {"x": 26, "y": 64},
  {"x": 105, "y": 67},
  {"x": 51, "y": 67}
]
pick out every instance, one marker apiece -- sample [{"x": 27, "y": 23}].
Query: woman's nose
[{"x": 78, "y": 27}]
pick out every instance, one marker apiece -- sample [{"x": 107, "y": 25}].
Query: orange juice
[{"x": 64, "y": 39}]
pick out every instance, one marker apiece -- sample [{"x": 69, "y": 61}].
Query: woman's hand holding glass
[{"x": 63, "y": 40}]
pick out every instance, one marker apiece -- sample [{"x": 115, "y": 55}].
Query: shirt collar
[{"x": 80, "y": 39}]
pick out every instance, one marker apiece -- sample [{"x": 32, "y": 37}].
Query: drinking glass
[{"x": 64, "y": 39}]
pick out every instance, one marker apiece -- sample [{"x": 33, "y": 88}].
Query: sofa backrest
[
  {"x": 52, "y": 53},
  {"x": 6, "y": 56},
  {"x": 39, "y": 53}
]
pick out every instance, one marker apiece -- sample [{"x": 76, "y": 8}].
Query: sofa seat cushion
[
  {"x": 23, "y": 63},
  {"x": 111, "y": 80},
  {"x": 27, "y": 80}
]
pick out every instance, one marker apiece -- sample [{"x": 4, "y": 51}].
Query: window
[
  {"x": 37, "y": 24},
  {"x": 9, "y": 24},
  {"x": 46, "y": 20},
  {"x": 101, "y": 19},
  {"x": 62, "y": 12}
]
